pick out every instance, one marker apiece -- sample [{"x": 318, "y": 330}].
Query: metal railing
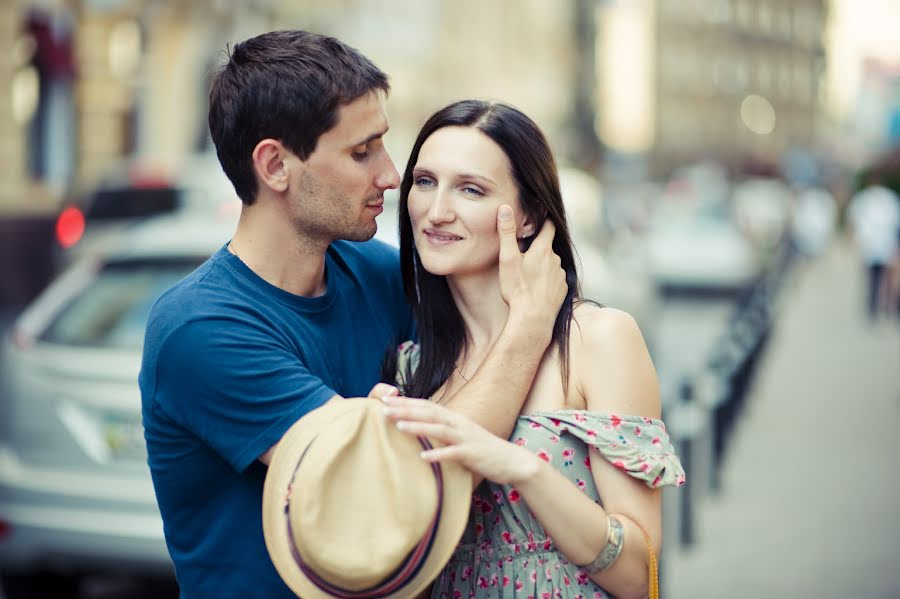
[{"x": 702, "y": 408}]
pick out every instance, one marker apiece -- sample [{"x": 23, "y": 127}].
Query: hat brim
[{"x": 457, "y": 497}]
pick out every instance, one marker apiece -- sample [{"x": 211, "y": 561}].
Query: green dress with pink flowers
[{"x": 504, "y": 552}]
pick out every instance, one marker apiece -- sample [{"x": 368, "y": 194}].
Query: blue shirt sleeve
[{"x": 234, "y": 386}]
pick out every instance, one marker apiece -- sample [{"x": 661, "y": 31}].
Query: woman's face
[{"x": 459, "y": 181}]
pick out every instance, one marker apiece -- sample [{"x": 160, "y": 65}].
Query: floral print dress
[{"x": 504, "y": 552}]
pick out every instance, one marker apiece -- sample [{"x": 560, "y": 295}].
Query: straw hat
[{"x": 350, "y": 510}]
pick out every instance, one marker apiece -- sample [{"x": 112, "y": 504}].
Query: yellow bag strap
[{"x": 652, "y": 566}]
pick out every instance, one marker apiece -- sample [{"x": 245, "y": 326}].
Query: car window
[
  {"x": 112, "y": 311},
  {"x": 132, "y": 202}
]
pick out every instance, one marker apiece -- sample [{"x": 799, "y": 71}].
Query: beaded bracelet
[{"x": 610, "y": 552}]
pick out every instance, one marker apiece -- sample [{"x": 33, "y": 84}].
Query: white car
[
  {"x": 135, "y": 190},
  {"x": 700, "y": 252},
  {"x": 75, "y": 490},
  {"x": 693, "y": 242}
]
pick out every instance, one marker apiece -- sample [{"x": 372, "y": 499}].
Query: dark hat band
[{"x": 403, "y": 574}]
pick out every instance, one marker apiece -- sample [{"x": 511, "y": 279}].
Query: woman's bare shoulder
[
  {"x": 610, "y": 362},
  {"x": 594, "y": 324}
]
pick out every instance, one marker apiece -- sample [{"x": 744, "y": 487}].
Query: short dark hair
[
  {"x": 284, "y": 85},
  {"x": 440, "y": 326}
]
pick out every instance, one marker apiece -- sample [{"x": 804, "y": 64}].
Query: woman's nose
[{"x": 441, "y": 210}]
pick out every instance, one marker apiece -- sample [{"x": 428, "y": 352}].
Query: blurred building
[
  {"x": 733, "y": 80},
  {"x": 667, "y": 81},
  {"x": 18, "y": 83},
  {"x": 130, "y": 77},
  {"x": 440, "y": 51},
  {"x": 88, "y": 83},
  {"x": 863, "y": 87}
]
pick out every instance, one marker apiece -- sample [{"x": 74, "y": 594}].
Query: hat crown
[{"x": 362, "y": 499}]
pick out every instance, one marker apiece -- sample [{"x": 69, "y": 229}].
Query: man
[{"x": 299, "y": 308}]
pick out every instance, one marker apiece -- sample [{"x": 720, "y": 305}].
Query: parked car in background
[
  {"x": 137, "y": 189},
  {"x": 693, "y": 242},
  {"x": 75, "y": 490}
]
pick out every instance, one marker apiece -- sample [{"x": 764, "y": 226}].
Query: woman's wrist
[{"x": 528, "y": 471}]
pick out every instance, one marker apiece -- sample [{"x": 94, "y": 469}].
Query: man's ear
[{"x": 270, "y": 165}]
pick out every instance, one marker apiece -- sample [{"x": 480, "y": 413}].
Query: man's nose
[{"x": 388, "y": 178}]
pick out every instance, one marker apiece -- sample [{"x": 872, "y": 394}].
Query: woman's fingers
[
  {"x": 448, "y": 452},
  {"x": 441, "y": 432},
  {"x": 402, "y": 408}
]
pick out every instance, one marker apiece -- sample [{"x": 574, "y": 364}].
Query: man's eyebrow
[{"x": 372, "y": 137}]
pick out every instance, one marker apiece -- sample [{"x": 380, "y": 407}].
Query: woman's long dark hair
[{"x": 442, "y": 332}]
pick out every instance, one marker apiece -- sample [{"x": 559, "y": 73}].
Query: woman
[{"x": 570, "y": 499}]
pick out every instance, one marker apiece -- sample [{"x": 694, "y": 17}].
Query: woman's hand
[{"x": 465, "y": 442}]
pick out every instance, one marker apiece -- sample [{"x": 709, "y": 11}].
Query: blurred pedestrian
[
  {"x": 298, "y": 308},
  {"x": 572, "y": 502},
  {"x": 813, "y": 221},
  {"x": 874, "y": 216},
  {"x": 893, "y": 280}
]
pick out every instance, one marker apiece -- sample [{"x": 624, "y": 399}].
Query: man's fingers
[
  {"x": 544, "y": 238},
  {"x": 382, "y": 390},
  {"x": 506, "y": 227},
  {"x": 506, "y": 220}
]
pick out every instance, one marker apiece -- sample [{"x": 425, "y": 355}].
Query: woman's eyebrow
[
  {"x": 421, "y": 170},
  {"x": 474, "y": 176}
]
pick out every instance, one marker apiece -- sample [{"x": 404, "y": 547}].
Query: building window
[{"x": 765, "y": 18}]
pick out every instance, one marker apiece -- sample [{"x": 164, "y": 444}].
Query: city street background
[
  {"x": 709, "y": 150},
  {"x": 807, "y": 506}
]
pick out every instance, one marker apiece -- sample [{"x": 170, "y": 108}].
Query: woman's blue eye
[
  {"x": 472, "y": 191},
  {"x": 423, "y": 181}
]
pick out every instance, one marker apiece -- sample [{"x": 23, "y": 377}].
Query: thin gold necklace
[{"x": 461, "y": 373}]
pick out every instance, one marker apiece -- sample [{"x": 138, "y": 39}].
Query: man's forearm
[{"x": 495, "y": 394}]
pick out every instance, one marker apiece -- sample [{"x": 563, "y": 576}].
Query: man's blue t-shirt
[{"x": 230, "y": 363}]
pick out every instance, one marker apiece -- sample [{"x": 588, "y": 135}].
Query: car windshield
[
  {"x": 112, "y": 310},
  {"x": 111, "y": 204}
]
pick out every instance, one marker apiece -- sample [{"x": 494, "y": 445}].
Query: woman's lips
[{"x": 441, "y": 237}]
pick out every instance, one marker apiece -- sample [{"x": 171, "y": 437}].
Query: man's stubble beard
[{"x": 328, "y": 223}]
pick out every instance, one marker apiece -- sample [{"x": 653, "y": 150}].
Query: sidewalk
[{"x": 810, "y": 501}]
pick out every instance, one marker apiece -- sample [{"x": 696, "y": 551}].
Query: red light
[
  {"x": 69, "y": 227},
  {"x": 21, "y": 338},
  {"x": 5, "y": 529}
]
